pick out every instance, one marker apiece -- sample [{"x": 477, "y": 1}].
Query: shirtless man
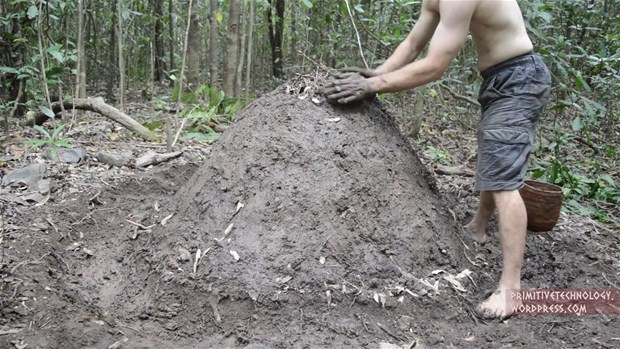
[{"x": 515, "y": 89}]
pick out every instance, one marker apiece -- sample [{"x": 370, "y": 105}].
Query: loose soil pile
[{"x": 308, "y": 226}]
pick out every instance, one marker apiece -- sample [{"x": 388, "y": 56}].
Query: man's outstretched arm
[
  {"x": 447, "y": 41},
  {"x": 408, "y": 50}
]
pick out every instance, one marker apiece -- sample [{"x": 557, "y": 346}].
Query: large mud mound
[
  {"x": 327, "y": 193},
  {"x": 317, "y": 197}
]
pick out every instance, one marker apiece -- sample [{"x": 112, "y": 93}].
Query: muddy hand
[
  {"x": 345, "y": 73},
  {"x": 350, "y": 89}
]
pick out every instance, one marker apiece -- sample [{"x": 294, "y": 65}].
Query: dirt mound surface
[
  {"x": 308, "y": 226},
  {"x": 328, "y": 195},
  {"x": 305, "y": 204}
]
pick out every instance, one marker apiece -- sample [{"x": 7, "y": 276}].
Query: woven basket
[{"x": 543, "y": 202}]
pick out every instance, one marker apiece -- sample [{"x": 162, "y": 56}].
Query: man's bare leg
[
  {"x": 512, "y": 231},
  {"x": 478, "y": 224}
]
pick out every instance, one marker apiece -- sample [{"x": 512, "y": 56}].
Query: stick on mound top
[{"x": 317, "y": 194}]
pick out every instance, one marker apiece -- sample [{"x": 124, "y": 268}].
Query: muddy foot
[
  {"x": 478, "y": 234},
  {"x": 498, "y": 306}
]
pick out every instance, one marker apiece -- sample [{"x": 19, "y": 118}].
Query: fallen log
[
  {"x": 97, "y": 105},
  {"x": 454, "y": 171}
]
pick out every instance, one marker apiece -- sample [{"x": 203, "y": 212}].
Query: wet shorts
[{"x": 512, "y": 95}]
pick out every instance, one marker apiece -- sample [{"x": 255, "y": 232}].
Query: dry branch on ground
[{"x": 97, "y": 105}]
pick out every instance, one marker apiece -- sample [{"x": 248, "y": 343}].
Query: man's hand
[
  {"x": 348, "y": 71},
  {"x": 351, "y": 88}
]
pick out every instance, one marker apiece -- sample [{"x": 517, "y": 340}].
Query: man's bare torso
[{"x": 497, "y": 28}]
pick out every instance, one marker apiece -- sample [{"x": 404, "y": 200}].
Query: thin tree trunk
[
  {"x": 121, "y": 62},
  {"x": 42, "y": 61},
  {"x": 276, "y": 28},
  {"x": 243, "y": 37},
  {"x": 183, "y": 60},
  {"x": 293, "y": 54},
  {"x": 159, "y": 40},
  {"x": 232, "y": 48},
  {"x": 214, "y": 56},
  {"x": 248, "y": 72},
  {"x": 193, "y": 47},
  {"x": 112, "y": 56},
  {"x": 81, "y": 59},
  {"x": 171, "y": 33}
]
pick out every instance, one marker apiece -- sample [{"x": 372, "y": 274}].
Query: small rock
[
  {"x": 40, "y": 226},
  {"x": 253, "y": 295},
  {"x": 404, "y": 323},
  {"x": 66, "y": 155},
  {"x": 184, "y": 255},
  {"x": 29, "y": 175},
  {"x": 111, "y": 159},
  {"x": 434, "y": 339}
]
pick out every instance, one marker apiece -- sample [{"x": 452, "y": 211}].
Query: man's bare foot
[
  {"x": 478, "y": 233},
  {"x": 499, "y": 305}
]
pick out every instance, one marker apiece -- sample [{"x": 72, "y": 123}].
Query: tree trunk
[
  {"x": 112, "y": 57},
  {"x": 193, "y": 48},
  {"x": 232, "y": 48},
  {"x": 248, "y": 72},
  {"x": 293, "y": 34},
  {"x": 81, "y": 57},
  {"x": 243, "y": 37},
  {"x": 159, "y": 40},
  {"x": 214, "y": 57},
  {"x": 275, "y": 25},
  {"x": 121, "y": 59},
  {"x": 171, "y": 33}
]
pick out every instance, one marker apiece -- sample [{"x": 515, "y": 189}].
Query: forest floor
[{"x": 96, "y": 261}]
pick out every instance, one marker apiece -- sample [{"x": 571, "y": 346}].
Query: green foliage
[
  {"x": 153, "y": 125},
  {"x": 585, "y": 180},
  {"x": 205, "y": 107},
  {"x": 437, "y": 155},
  {"x": 57, "y": 58},
  {"x": 580, "y": 42},
  {"x": 53, "y": 140}
]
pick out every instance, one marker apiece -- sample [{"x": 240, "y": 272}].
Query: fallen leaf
[
  {"x": 165, "y": 220},
  {"x": 454, "y": 282},
  {"x": 197, "y": 259},
  {"x": 229, "y": 229},
  {"x": 119, "y": 344},
  {"x": 284, "y": 279},
  {"x": 412, "y": 293},
  {"x": 240, "y": 205},
  {"x": 74, "y": 246},
  {"x": 385, "y": 345},
  {"x": 464, "y": 273}
]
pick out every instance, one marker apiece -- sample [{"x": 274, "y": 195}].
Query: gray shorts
[{"x": 512, "y": 95}]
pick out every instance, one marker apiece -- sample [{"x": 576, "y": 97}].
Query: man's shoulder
[{"x": 439, "y": 6}]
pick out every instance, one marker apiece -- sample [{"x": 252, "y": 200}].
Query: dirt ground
[{"x": 304, "y": 226}]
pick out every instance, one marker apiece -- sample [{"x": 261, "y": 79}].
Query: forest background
[{"x": 231, "y": 51}]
